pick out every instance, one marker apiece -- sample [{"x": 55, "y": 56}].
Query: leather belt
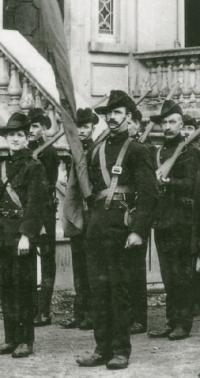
[
  {"x": 11, "y": 213},
  {"x": 119, "y": 195}
]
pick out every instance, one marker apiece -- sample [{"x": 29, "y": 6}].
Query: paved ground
[{"x": 56, "y": 350}]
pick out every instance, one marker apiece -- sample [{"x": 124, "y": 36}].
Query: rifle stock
[
  {"x": 149, "y": 127},
  {"x": 164, "y": 170},
  {"x": 48, "y": 143}
]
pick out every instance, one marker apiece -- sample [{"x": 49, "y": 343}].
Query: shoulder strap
[
  {"x": 104, "y": 170},
  {"x": 158, "y": 162},
  {"x": 116, "y": 171},
  {"x": 11, "y": 192}
]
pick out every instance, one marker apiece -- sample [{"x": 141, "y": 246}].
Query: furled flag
[{"x": 56, "y": 43}]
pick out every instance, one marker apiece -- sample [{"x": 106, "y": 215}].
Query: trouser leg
[
  {"x": 118, "y": 266},
  {"x": 7, "y": 294},
  {"x": 138, "y": 286},
  {"x": 24, "y": 291},
  {"x": 109, "y": 280},
  {"x": 82, "y": 304},
  {"x": 100, "y": 295},
  {"x": 173, "y": 247},
  {"x": 48, "y": 266}
]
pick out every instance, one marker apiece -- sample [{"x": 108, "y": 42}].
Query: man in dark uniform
[
  {"x": 22, "y": 198},
  {"x": 173, "y": 224},
  {"x": 86, "y": 120},
  {"x": 190, "y": 126},
  {"x": 138, "y": 287},
  {"x": 110, "y": 240},
  {"x": 40, "y": 122}
]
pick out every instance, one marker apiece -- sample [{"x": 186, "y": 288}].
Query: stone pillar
[{"x": 1, "y": 14}]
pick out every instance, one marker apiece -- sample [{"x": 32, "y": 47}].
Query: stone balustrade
[
  {"x": 19, "y": 92},
  {"x": 165, "y": 69}
]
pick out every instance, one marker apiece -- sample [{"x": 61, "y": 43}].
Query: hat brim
[
  {"x": 158, "y": 118},
  {"x": 6, "y": 129},
  {"x": 94, "y": 119}
]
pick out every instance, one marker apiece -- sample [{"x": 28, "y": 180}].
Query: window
[
  {"x": 192, "y": 24},
  {"x": 108, "y": 26},
  {"x": 106, "y": 17}
]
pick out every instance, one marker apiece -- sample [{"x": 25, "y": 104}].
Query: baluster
[
  {"x": 164, "y": 89},
  {"x": 175, "y": 70},
  {"x": 14, "y": 88},
  {"x": 196, "y": 88},
  {"x": 4, "y": 76},
  {"x": 54, "y": 126},
  {"x": 26, "y": 101},
  {"x": 153, "y": 78},
  {"x": 186, "y": 79},
  {"x": 192, "y": 77},
  {"x": 170, "y": 63}
]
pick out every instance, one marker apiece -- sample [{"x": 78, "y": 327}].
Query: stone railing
[
  {"x": 27, "y": 81},
  {"x": 165, "y": 69}
]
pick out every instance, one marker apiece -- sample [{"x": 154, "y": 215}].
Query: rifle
[
  {"x": 163, "y": 171},
  {"x": 48, "y": 143},
  {"x": 59, "y": 134},
  {"x": 145, "y": 94},
  {"x": 150, "y": 125}
]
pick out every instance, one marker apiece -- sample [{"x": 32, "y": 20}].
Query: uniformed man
[
  {"x": 86, "y": 120},
  {"x": 138, "y": 287},
  {"x": 40, "y": 123},
  {"x": 134, "y": 124},
  {"x": 117, "y": 169},
  {"x": 173, "y": 224},
  {"x": 22, "y": 198},
  {"x": 189, "y": 125}
]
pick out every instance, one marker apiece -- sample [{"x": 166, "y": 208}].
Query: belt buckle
[{"x": 116, "y": 170}]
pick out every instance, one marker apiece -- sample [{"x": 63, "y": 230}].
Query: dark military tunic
[
  {"x": 27, "y": 178},
  {"x": 173, "y": 234},
  {"x": 108, "y": 260},
  {"x": 49, "y": 159},
  {"x": 82, "y": 303}
]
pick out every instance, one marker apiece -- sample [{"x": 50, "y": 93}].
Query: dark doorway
[{"x": 192, "y": 23}]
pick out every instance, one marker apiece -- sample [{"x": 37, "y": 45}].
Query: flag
[{"x": 56, "y": 43}]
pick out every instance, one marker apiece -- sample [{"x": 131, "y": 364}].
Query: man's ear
[{"x": 129, "y": 115}]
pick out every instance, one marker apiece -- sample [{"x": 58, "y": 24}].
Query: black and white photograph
[{"x": 99, "y": 188}]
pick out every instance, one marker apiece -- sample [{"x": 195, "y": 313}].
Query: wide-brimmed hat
[
  {"x": 169, "y": 107},
  {"x": 17, "y": 121},
  {"x": 38, "y": 115},
  {"x": 189, "y": 120},
  {"x": 117, "y": 99},
  {"x": 85, "y": 116}
]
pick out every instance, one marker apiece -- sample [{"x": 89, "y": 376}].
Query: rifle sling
[{"x": 7, "y": 186}]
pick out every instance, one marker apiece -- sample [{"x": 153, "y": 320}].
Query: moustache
[
  {"x": 112, "y": 122},
  {"x": 167, "y": 133}
]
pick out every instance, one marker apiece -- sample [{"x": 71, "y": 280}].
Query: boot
[
  {"x": 92, "y": 360},
  {"x": 178, "y": 333},
  {"x": 42, "y": 320},
  {"x": 117, "y": 362},
  {"x": 86, "y": 323},
  {"x": 23, "y": 350},
  {"x": 69, "y": 323},
  {"x": 137, "y": 328},
  {"x": 7, "y": 348},
  {"x": 160, "y": 333}
]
